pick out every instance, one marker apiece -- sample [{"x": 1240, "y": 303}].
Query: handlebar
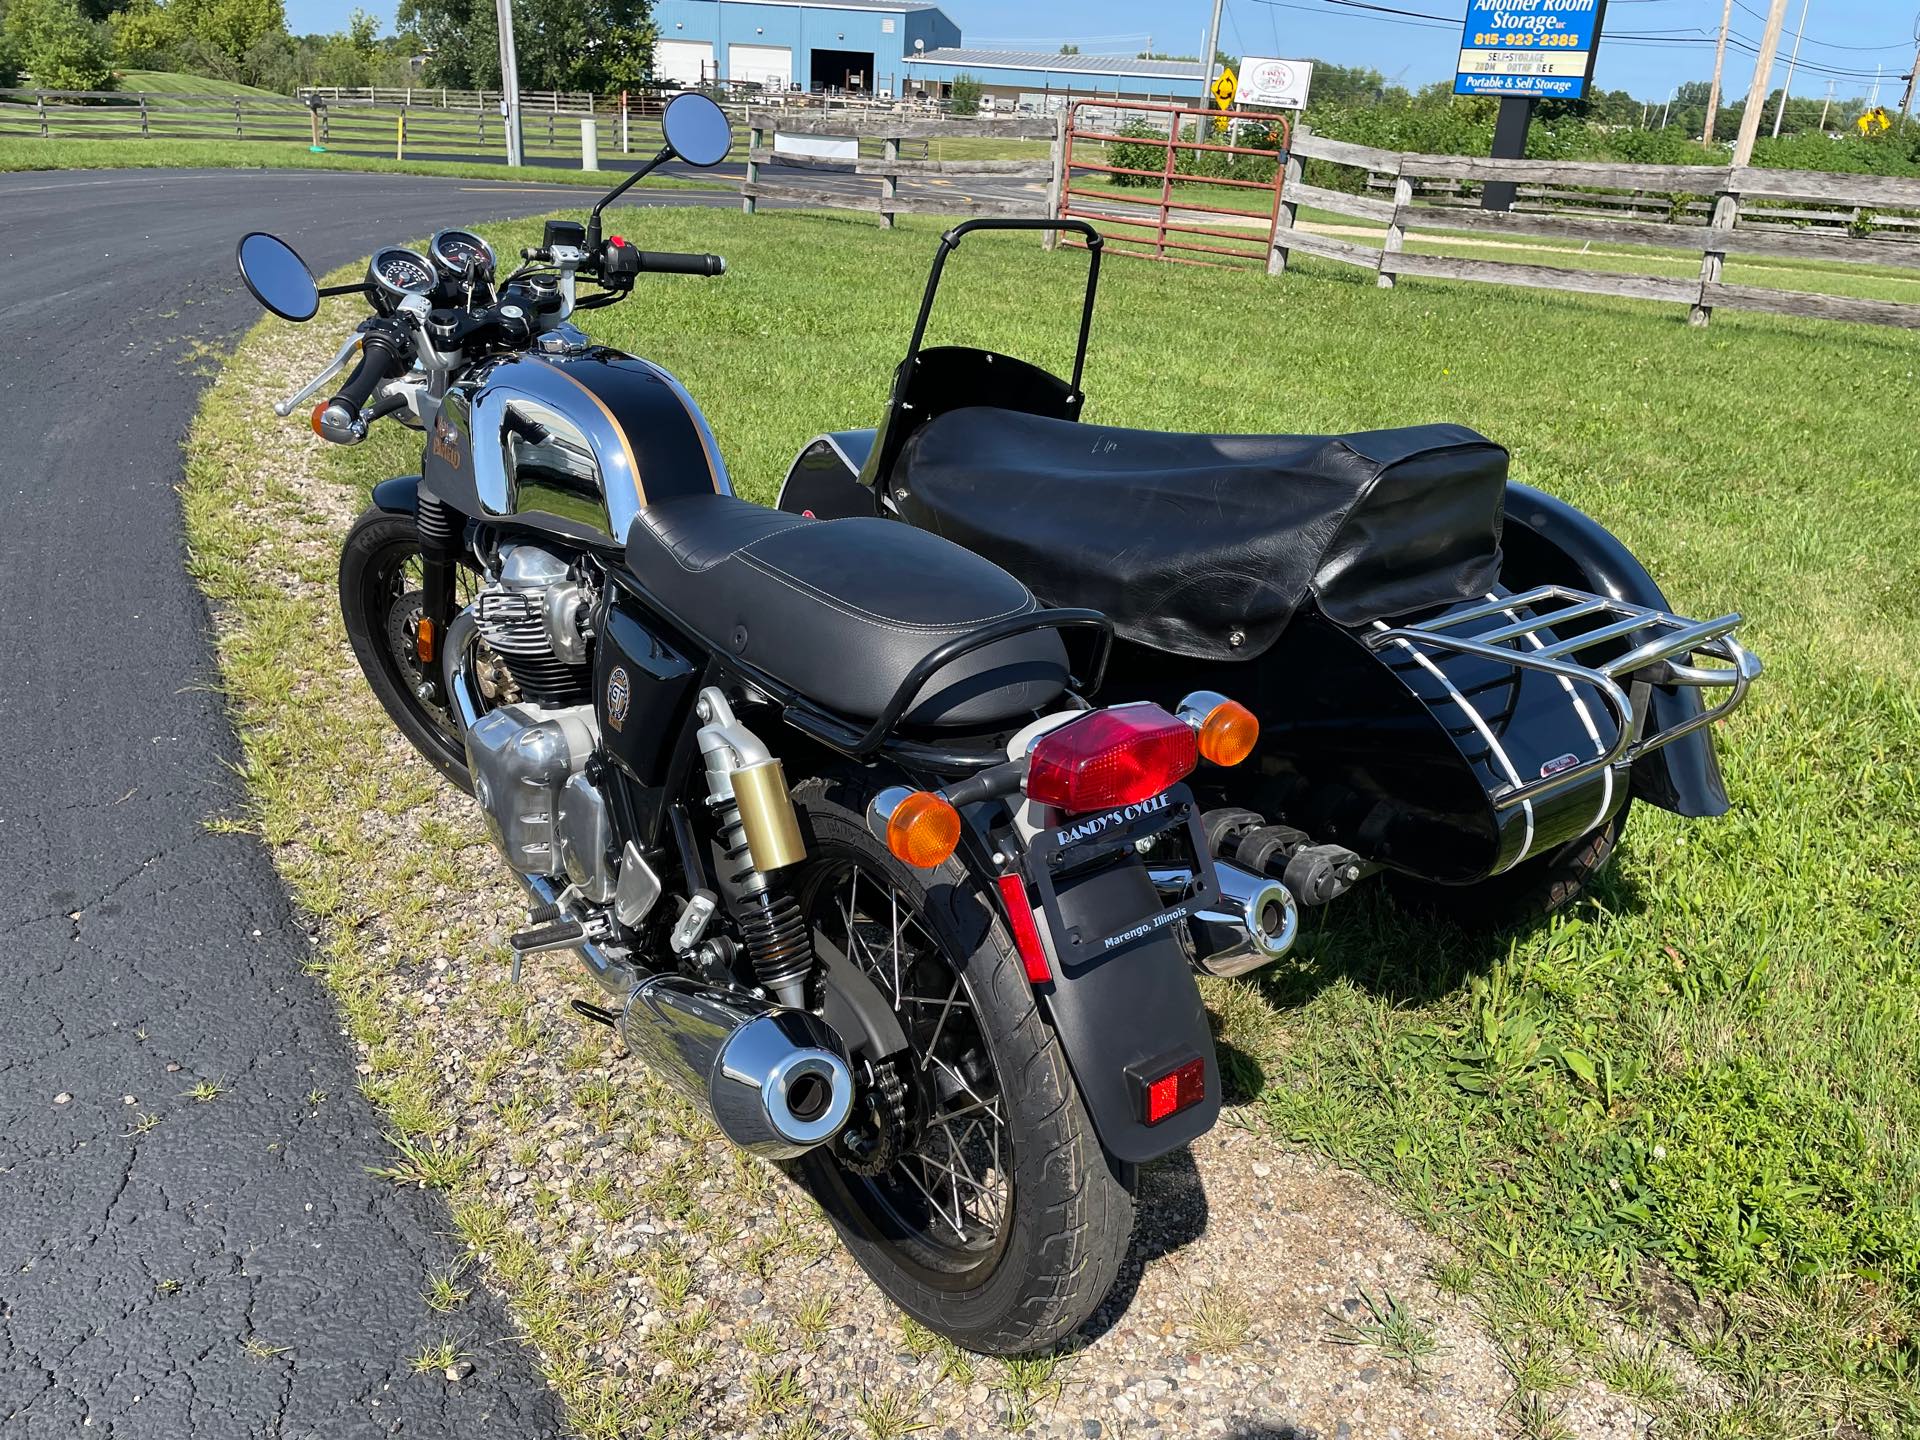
[
  {"x": 382, "y": 355},
  {"x": 672, "y": 262}
]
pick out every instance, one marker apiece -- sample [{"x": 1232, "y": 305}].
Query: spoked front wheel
[
  {"x": 380, "y": 604},
  {"x": 970, "y": 1184}
]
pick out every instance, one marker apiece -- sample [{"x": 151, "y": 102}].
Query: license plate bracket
[{"x": 1084, "y": 843}]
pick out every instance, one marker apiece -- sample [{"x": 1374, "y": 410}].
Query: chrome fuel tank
[{"x": 571, "y": 446}]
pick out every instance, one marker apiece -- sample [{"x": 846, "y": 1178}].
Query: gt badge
[{"x": 619, "y": 696}]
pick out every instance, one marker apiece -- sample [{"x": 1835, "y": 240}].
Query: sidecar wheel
[
  {"x": 971, "y": 1186},
  {"x": 1531, "y": 891}
]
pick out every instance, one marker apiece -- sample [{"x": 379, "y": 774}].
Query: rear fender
[
  {"x": 1128, "y": 1015},
  {"x": 1546, "y": 539}
]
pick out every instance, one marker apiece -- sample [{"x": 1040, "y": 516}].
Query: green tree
[
  {"x": 596, "y": 45},
  {"x": 237, "y": 39},
  {"x": 964, "y": 98},
  {"x": 57, "y": 45},
  {"x": 9, "y": 63},
  {"x": 144, "y": 37}
]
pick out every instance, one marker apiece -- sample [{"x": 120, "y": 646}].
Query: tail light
[
  {"x": 1167, "y": 1093},
  {"x": 1119, "y": 756}
]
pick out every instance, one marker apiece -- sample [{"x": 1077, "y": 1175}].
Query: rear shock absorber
[{"x": 758, "y": 834}]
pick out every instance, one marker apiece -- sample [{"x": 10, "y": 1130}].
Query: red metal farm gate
[{"x": 1139, "y": 212}]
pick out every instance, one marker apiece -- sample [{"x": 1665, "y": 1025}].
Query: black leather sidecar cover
[{"x": 1189, "y": 541}]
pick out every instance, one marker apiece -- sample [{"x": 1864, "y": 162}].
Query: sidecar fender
[
  {"x": 824, "y": 479},
  {"x": 1547, "y": 539},
  {"x": 398, "y": 496}
]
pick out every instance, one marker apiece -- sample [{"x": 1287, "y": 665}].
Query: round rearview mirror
[
  {"x": 278, "y": 278},
  {"x": 697, "y": 129}
]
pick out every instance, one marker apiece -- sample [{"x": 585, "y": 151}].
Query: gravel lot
[{"x": 668, "y": 1284}]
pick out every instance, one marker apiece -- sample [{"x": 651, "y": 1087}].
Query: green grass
[
  {"x": 118, "y": 154},
  {"x": 173, "y": 82},
  {"x": 1742, "y": 1172}
]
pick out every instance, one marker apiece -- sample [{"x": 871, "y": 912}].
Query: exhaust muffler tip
[
  {"x": 1256, "y": 924},
  {"x": 777, "y": 1089}
]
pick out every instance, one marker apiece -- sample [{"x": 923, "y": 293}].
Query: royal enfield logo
[
  {"x": 1087, "y": 829},
  {"x": 1560, "y": 763},
  {"x": 619, "y": 696},
  {"x": 445, "y": 446}
]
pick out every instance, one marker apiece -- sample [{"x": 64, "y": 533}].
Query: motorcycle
[
  {"x": 1460, "y": 682},
  {"x": 822, "y": 805}
]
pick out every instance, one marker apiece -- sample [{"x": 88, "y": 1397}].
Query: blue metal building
[
  {"x": 854, "y": 45},
  {"x": 1034, "y": 80}
]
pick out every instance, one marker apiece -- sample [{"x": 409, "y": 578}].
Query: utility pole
[
  {"x": 509, "y": 81},
  {"x": 1826, "y": 107},
  {"x": 1206, "y": 60},
  {"x": 1906, "y": 100},
  {"x": 1664, "y": 114},
  {"x": 1719, "y": 64},
  {"x": 1786, "y": 90},
  {"x": 1757, "y": 92}
]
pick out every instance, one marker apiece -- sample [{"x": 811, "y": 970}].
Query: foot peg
[
  {"x": 1314, "y": 873},
  {"x": 555, "y": 934}
]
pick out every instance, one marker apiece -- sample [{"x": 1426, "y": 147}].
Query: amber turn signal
[
  {"x": 923, "y": 830},
  {"x": 1229, "y": 733}
]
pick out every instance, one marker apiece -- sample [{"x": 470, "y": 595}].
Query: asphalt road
[{"x": 234, "y": 1270}]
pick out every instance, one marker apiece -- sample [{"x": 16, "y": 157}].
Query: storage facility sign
[
  {"x": 1282, "y": 84},
  {"x": 1529, "y": 47}
]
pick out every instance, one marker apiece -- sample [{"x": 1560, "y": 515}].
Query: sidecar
[{"x": 1457, "y": 677}]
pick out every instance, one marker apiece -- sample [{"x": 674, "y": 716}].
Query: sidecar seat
[{"x": 1205, "y": 545}]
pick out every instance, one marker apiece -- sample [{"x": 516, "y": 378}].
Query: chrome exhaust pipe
[
  {"x": 775, "y": 1080},
  {"x": 1254, "y": 925}
]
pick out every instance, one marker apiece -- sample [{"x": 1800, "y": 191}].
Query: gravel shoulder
[{"x": 667, "y": 1284}]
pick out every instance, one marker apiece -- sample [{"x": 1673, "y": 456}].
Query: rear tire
[
  {"x": 1062, "y": 1230},
  {"x": 379, "y": 600},
  {"x": 1530, "y": 892}
]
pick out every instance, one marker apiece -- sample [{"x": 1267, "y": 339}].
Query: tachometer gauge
[
  {"x": 396, "y": 273},
  {"x": 454, "y": 250}
]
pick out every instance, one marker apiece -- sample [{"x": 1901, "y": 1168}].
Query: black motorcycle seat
[
  {"x": 842, "y": 610},
  {"x": 1205, "y": 545}
]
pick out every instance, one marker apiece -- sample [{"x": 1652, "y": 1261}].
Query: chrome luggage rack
[{"x": 1665, "y": 659}]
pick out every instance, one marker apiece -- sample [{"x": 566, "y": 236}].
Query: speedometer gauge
[
  {"x": 396, "y": 273},
  {"x": 454, "y": 250}
]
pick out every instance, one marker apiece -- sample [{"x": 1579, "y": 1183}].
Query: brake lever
[{"x": 306, "y": 392}]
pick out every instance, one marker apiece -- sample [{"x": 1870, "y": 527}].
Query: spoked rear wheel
[
  {"x": 380, "y": 604},
  {"x": 970, "y": 1184}
]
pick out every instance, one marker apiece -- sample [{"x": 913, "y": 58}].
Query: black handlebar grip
[
  {"x": 672, "y": 262},
  {"x": 371, "y": 370}
]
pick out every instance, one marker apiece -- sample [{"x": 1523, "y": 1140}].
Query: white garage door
[
  {"x": 768, "y": 65},
  {"x": 684, "y": 62}
]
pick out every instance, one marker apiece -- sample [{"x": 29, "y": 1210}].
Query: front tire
[
  {"x": 1002, "y": 1274},
  {"x": 380, "y": 605}
]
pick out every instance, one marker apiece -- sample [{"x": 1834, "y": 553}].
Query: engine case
[{"x": 522, "y": 759}]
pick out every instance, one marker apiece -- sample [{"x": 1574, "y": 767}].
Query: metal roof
[
  {"x": 891, "y": 7},
  {"x": 1191, "y": 70}
]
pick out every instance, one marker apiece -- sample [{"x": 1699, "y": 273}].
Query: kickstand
[{"x": 594, "y": 1013}]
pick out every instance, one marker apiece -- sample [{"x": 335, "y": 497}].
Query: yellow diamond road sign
[{"x": 1225, "y": 87}]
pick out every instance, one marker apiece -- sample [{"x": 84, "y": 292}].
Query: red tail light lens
[
  {"x": 1110, "y": 758},
  {"x": 1177, "y": 1090}
]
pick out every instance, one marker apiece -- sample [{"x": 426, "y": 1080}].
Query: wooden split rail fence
[
  {"x": 1714, "y": 212},
  {"x": 874, "y": 153}
]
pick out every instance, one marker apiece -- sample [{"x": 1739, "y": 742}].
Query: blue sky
[{"x": 1654, "y": 44}]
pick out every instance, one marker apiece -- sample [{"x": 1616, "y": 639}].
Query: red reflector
[
  {"x": 1026, "y": 934},
  {"x": 1113, "y": 757},
  {"x": 1176, "y": 1090}
]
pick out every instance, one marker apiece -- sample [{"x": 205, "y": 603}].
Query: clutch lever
[{"x": 306, "y": 392}]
